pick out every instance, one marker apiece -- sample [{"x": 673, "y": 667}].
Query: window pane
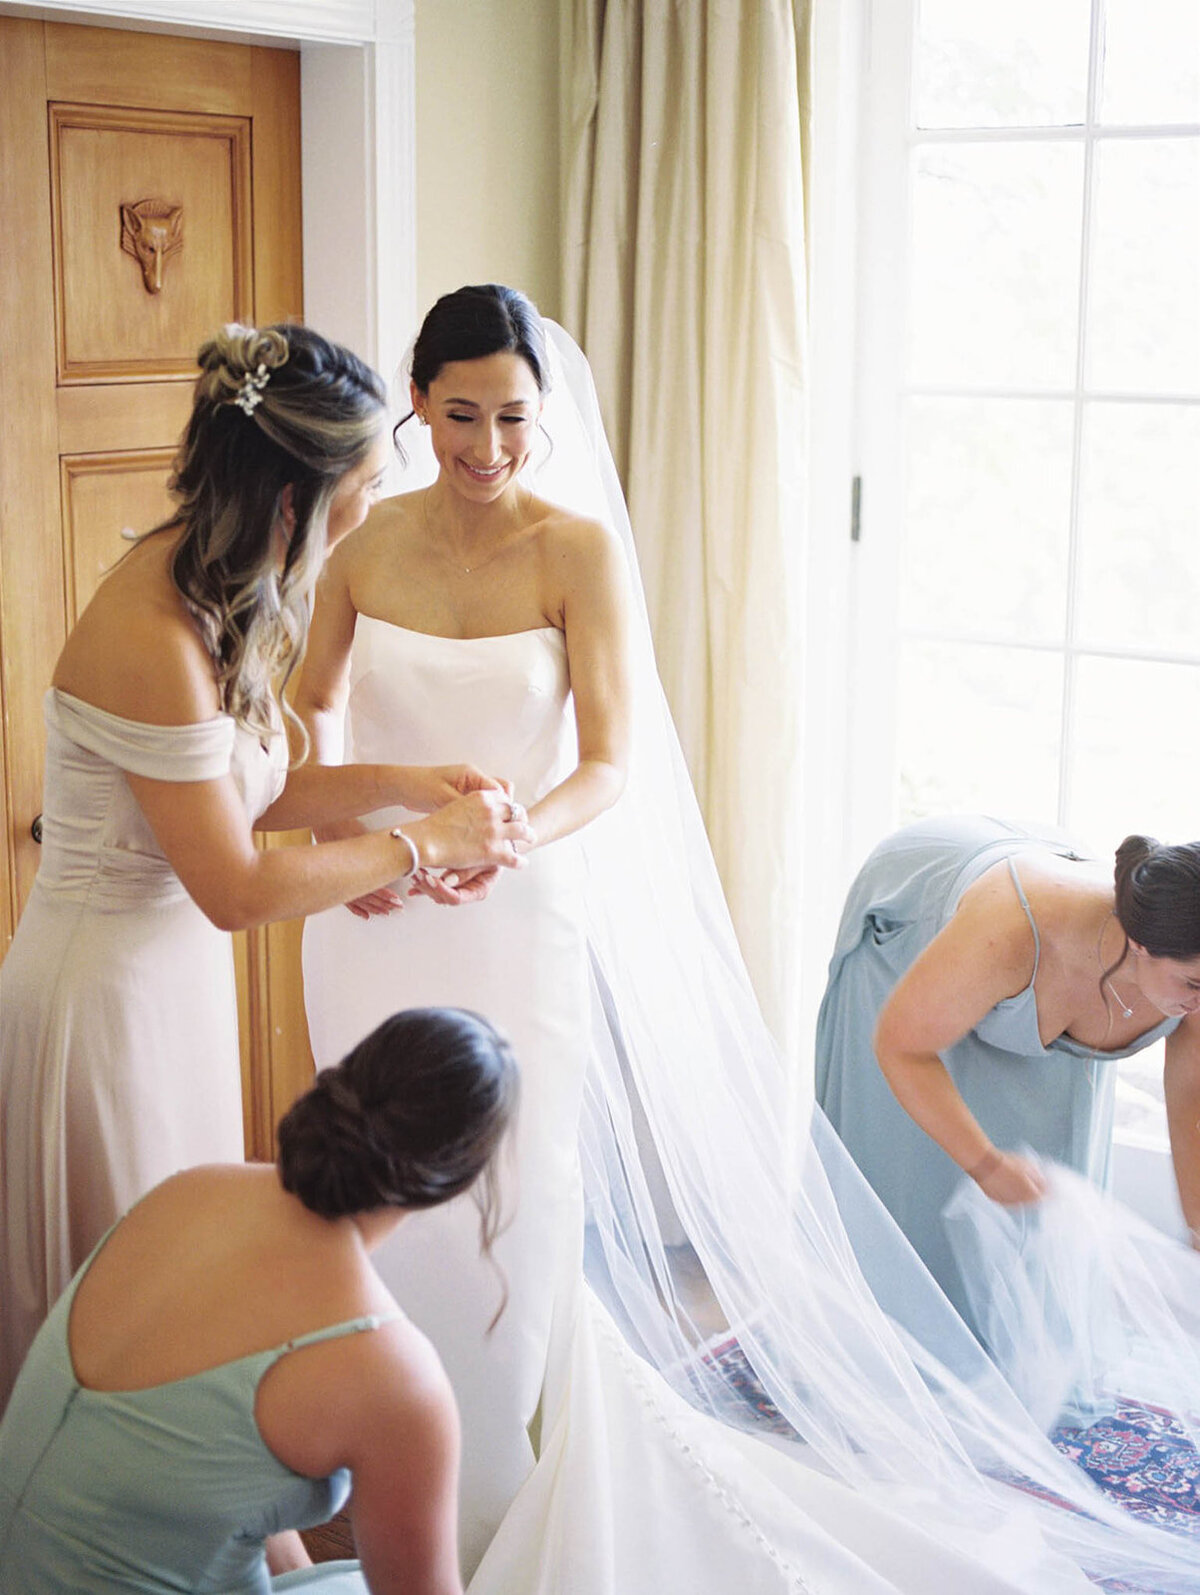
[
  {"x": 978, "y": 730},
  {"x": 995, "y": 262},
  {"x": 987, "y": 512},
  {"x": 1136, "y": 756},
  {"x": 1140, "y": 1116},
  {"x": 1151, "y": 62},
  {"x": 1139, "y": 529},
  {"x": 1144, "y": 332},
  {"x": 1020, "y": 64}
]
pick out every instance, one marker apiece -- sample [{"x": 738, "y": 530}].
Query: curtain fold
[{"x": 684, "y": 280}]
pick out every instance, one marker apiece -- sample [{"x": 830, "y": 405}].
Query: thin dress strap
[
  {"x": 352, "y": 1326},
  {"x": 1037, "y": 940}
]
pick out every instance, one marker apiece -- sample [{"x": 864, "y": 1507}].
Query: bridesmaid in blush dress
[{"x": 166, "y": 748}]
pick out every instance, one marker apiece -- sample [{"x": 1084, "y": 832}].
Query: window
[{"x": 1028, "y": 631}]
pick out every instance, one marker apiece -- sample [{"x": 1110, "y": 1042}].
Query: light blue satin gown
[
  {"x": 1055, "y": 1099},
  {"x": 150, "y": 1492}
]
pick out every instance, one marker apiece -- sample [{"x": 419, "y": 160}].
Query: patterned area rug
[{"x": 1139, "y": 1456}]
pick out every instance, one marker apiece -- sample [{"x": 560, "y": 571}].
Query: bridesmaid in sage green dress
[{"x": 228, "y": 1363}]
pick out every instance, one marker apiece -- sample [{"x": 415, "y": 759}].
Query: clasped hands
[{"x": 427, "y": 789}]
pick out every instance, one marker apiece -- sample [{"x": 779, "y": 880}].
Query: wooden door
[{"x": 149, "y": 192}]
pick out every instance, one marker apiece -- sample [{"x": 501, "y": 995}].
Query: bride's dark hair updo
[
  {"x": 1157, "y": 896},
  {"x": 472, "y": 323},
  {"x": 410, "y": 1118}
]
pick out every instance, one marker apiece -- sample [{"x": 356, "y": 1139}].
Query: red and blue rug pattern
[
  {"x": 1139, "y": 1455},
  {"x": 1142, "y": 1459}
]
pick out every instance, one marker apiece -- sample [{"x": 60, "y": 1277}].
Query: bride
[{"x": 724, "y": 1404}]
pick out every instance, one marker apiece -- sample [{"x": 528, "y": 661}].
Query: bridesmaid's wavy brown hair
[{"x": 273, "y": 408}]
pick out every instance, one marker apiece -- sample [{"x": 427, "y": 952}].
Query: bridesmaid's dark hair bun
[
  {"x": 410, "y": 1118},
  {"x": 1157, "y": 896}
]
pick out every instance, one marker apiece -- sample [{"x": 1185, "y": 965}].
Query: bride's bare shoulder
[
  {"x": 390, "y": 521},
  {"x": 566, "y": 533}
]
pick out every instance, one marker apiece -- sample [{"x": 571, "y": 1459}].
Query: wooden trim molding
[
  {"x": 32, "y": 615},
  {"x": 276, "y": 21}
]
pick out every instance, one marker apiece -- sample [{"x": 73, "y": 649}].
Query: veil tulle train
[{"x": 690, "y": 1165}]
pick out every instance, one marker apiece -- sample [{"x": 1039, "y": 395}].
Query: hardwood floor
[{"x": 331, "y": 1542}]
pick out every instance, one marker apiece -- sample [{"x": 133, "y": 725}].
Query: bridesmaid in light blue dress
[
  {"x": 228, "y": 1361},
  {"x": 986, "y": 981}
]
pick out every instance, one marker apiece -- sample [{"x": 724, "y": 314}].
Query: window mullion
[{"x": 1070, "y": 639}]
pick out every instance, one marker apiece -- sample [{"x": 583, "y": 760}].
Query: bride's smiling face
[{"x": 483, "y": 417}]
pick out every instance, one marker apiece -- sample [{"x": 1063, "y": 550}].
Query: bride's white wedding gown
[{"x": 583, "y": 1472}]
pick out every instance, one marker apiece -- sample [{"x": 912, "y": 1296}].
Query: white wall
[{"x": 487, "y": 147}]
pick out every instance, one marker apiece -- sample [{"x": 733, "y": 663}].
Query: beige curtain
[{"x": 684, "y": 281}]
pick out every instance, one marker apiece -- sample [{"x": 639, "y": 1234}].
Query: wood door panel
[
  {"x": 110, "y": 324},
  {"x": 153, "y": 70},
  {"x": 102, "y": 496},
  {"x": 93, "y": 420}
]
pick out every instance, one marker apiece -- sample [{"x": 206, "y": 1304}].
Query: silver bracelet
[{"x": 415, "y": 857}]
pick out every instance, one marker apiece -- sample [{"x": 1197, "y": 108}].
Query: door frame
[{"x": 358, "y": 156}]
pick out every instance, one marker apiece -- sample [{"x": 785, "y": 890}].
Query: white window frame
[
  {"x": 885, "y": 149},
  {"x": 859, "y": 218}
]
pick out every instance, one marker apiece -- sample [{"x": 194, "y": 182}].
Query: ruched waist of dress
[{"x": 114, "y": 879}]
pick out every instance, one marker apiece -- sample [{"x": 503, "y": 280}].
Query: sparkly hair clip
[{"x": 249, "y": 396}]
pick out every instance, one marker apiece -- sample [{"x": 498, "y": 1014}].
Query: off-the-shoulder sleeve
[{"x": 199, "y": 752}]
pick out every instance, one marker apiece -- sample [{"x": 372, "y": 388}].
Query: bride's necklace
[
  {"x": 1126, "y": 1010},
  {"x": 485, "y": 557}
]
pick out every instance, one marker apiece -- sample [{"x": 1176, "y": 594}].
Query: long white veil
[{"x": 837, "y": 1347}]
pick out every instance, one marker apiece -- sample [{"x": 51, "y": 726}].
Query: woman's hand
[
  {"x": 484, "y": 828},
  {"x": 370, "y": 904},
  {"x": 1011, "y": 1180},
  {"x": 425, "y": 789},
  {"x": 456, "y": 886}
]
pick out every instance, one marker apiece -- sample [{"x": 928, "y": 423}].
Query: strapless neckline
[{"x": 437, "y": 636}]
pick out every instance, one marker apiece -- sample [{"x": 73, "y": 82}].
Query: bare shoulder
[
  {"x": 403, "y": 1390},
  {"x": 1062, "y": 892},
  {"x": 563, "y": 528},
  {"x": 136, "y": 651},
  {"x": 990, "y": 912},
  {"x": 579, "y": 547},
  {"x": 372, "y": 552}
]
